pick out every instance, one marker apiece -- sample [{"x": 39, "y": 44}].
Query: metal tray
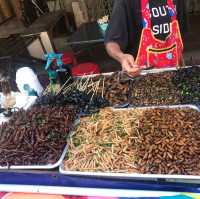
[
  {"x": 122, "y": 105},
  {"x": 38, "y": 167},
  {"x": 94, "y": 75},
  {"x": 157, "y": 71},
  {"x": 164, "y": 70},
  {"x": 134, "y": 175},
  {"x": 48, "y": 166},
  {"x": 185, "y": 106},
  {"x": 143, "y": 72},
  {"x": 151, "y": 71}
]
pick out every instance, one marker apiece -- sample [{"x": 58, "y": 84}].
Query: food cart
[{"x": 108, "y": 136}]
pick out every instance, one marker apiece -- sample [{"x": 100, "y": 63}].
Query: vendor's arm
[
  {"x": 127, "y": 60},
  {"x": 116, "y": 39}
]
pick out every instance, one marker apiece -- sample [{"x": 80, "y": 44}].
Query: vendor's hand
[{"x": 129, "y": 66}]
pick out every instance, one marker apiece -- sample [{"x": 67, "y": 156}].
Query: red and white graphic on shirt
[{"x": 157, "y": 53}]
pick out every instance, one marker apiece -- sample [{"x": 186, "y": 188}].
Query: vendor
[{"x": 146, "y": 33}]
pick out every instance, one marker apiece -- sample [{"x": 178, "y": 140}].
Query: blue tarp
[{"x": 55, "y": 179}]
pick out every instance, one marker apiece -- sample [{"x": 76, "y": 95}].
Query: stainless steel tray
[
  {"x": 48, "y": 166},
  {"x": 122, "y": 105},
  {"x": 135, "y": 175},
  {"x": 144, "y": 72},
  {"x": 157, "y": 71},
  {"x": 38, "y": 167},
  {"x": 191, "y": 106},
  {"x": 94, "y": 75},
  {"x": 185, "y": 106}
]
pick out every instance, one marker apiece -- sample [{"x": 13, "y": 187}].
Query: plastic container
[
  {"x": 69, "y": 59},
  {"x": 103, "y": 28},
  {"x": 85, "y": 69},
  {"x": 27, "y": 82}
]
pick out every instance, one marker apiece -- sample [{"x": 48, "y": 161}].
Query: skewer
[
  {"x": 86, "y": 83},
  {"x": 45, "y": 91},
  {"x": 98, "y": 86},
  {"x": 102, "y": 93},
  {"x": 78, "y": 83},
  {"x": 68, "y": 88},
  {"x": 95, "y": 90},
  {"x": 63, "y": 86}
]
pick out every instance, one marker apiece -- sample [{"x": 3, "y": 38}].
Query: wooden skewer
[
  {"x": 85, "y": 85},
  {"x": 78, "y": 84},
  {"x": 68, "y": 88},
  {"x": 95, "y": 90},
  {"x": 102, "y": 94},
  {"x": 98, "y": 86},
  {"x": 45, "y": 91},
  {"x": 63, "y": 86}
]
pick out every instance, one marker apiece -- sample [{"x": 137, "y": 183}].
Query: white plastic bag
[{"x": 26, "y": 78}]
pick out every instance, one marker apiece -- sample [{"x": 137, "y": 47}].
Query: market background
[{"x": 25, "y": 38}]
